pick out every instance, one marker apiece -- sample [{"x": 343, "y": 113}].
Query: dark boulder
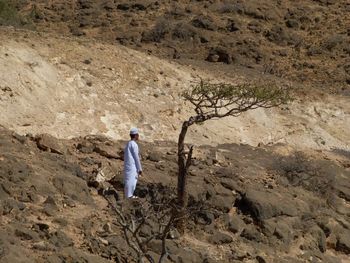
[
  {"x": 232, "y": 26},
  {"x": 124, "y": 7},
  {"x": 60, "y": 239},
  {"x": 219, "y": 54},
  {"x": 85, "y": 147},
  {"x": 264, "y": 204},
  {"x": 222, "y": 203},
  {"x": 236, "y": 224},
  {"x": 292, "y": 23},
  {"x": 252, "y": 234},
  {"x": 343, "y": 242},
  {"x": 49, "y": 143}
]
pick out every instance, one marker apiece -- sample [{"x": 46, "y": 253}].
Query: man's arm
[{"x": 136, "y": 156}]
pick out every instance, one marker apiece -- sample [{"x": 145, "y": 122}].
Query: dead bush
[
  {"x": 313, "y": 175},
  {"x": 183, "y": 31},
  {"x": 158, "y": 32}
]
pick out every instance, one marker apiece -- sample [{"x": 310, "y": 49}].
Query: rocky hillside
[
  {"x": 306, "y": 41},
  {"x": 265, "y": 207},
  {"x": 272, "y": 185}
]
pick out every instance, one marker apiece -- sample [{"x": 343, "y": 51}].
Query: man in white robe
[{"x": 132, "y": 164}]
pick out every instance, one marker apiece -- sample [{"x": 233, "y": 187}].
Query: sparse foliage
[
  {"x": 222, "y": 100},
  {"x": 216, "y": 101}
]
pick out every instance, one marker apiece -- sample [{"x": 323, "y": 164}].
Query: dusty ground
[{"x": 75, "y": 87}]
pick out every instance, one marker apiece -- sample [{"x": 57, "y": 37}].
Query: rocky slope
[
  {"x": 264, "y": 207},
  {"x": 307, "y": 41}
]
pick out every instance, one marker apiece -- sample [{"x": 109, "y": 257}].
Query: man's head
[{"x": 134, "y": 134}]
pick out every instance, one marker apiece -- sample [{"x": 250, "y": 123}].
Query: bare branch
[{"x": 139, "y": 213}]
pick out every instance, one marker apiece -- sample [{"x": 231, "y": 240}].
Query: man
[{"x": 132, "y": 164}]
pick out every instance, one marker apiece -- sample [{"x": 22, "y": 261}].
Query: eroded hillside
[{"x": 71, "y": 87}]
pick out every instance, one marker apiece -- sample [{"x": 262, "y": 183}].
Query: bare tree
[
  {"x": 216, "y": 101},
  {"x": 155, "y": 211},
  {"x": 140, "y": 213}
]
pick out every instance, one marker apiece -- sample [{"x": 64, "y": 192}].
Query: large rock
[
  {"x": 189, "y": 255},
  {"x": 343, "y": 242},
  {"x": 73, "y": 187},
  {"x": 342, "y": 186},
  {"x": 219, "y": 54},
  {"x": 107, "y": 151},
  {"x": 234, "y": 223},
  {"x": 85, "y": 147},
  {"x": 283, "y": 232},
  {"x": 314, "y": 240},
  {"x": 49, "y": 143},
  {"x": 9, "y": 205},
  {"x": 4, "y": 193},
  {"x": 320, "y": 238},
  {"x": 222, "y": 203},
  {"x": 60, "y": 239},
  {"x": 230, "y": 184},
  {"x": 263, "y": 204},
  {"x": 104, "y": 175},
  {"x": 50, "y": 207},
  {"x": 155, "y": 156},
  {"x": 252, "y": 234},
  {"x": 219, "y": 238}
]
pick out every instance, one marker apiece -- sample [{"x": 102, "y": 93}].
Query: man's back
[
  {"x": 131, "y": 157},
  {"x": 132, "y": 164}
]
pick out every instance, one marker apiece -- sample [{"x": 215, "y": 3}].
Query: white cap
[{"x": 134, "y": 131}]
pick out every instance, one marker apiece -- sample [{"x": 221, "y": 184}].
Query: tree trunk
[{"x": 183, "y": 164}]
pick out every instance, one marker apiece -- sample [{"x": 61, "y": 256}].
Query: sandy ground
[{"x": 74, "y": 87}]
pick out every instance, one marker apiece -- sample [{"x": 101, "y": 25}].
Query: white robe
[{"x": 132, "y": 167}]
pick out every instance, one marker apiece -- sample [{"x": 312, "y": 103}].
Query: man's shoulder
[{"x": 132, "y": 143}]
